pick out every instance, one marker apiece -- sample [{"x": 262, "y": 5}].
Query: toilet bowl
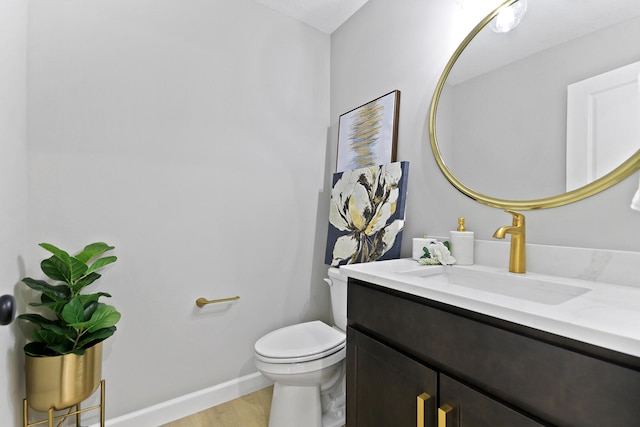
[{"x": 306, "y": 362}]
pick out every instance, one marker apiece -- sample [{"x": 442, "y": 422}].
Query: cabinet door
[
  {"x": 466, "y": 407},
  {"x": 386, "y": 388}
]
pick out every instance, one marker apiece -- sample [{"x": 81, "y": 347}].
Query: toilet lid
[{"x": 303, "y": 340}]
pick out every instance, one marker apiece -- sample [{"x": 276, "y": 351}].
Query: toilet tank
[{"x": 338, "y": 287}]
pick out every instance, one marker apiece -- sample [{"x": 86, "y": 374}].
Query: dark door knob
[{"x": 7, "y": 309}]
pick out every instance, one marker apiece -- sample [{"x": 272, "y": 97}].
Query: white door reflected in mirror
[{"x": 603, "y": 124}]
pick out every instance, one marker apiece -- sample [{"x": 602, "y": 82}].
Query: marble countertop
[{"x": 605, "y": 315}]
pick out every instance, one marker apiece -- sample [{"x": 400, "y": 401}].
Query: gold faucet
[{"x": 517, "y": 254}]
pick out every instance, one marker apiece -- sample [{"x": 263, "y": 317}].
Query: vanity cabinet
[
  {"x": 409, "y": 357},
  {"x": 388, "y": 389}
]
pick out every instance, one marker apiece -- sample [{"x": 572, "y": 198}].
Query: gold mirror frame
[{"x": 627, "y": 168}]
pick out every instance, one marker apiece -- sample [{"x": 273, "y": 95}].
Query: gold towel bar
[{"x": 201, "y": 302}]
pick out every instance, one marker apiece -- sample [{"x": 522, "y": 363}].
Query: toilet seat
[
  {"x": 304, "y": 368},
  {"x": 300, "y": 343}
]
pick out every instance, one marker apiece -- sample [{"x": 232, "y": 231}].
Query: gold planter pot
[{"x": 60, "y": 382}]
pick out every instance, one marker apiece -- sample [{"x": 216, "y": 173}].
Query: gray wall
[
  {"x": 13, "y": 196},
  {"x": 191, "y": 135}
]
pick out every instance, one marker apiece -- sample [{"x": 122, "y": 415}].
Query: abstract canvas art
[
  {"x": 367, "y": 135},
  {"x": 366, "y": 214}
]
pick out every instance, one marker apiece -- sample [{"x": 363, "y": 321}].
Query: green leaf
[
  {"x": 73, "y": 313},
  {"x": 70, "y": 267},
  {"x": 89, "y": 309},
  {"x": 59, "y": 253},
  {"x": 105, "y": 316},
  {"x": 55, "y": 269},
  {"x": 78, "y": 269},
  {"x": 102, "y": 262},
  {"x": 60, "y": 330},
  {"x": 36, "y": 319},
  {"x": 427, "y": 254},
  {"x": 51, "y": 339},
  {"x": 37, "y": 349},
  {"x": 62, "y": 348},
  {"x": 47, "y": 302},
  {"x": 68, "y": 270},
  {"x": 93, "y": 250},
  {"x": 90, "y": 339},
  {"x": 447, "y": 245},
  {"x": 55, "y": 292},
  {"x": 86, "y": 298},
  {"x": 84, "y": 282}
]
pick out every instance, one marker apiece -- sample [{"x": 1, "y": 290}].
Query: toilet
[{"x": 306, "y": 362}]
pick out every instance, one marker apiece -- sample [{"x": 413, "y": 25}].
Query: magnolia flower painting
[{"x": 366, "y": 215}]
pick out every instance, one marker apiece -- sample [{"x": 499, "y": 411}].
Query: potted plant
[{"x": 64, "y": 357}]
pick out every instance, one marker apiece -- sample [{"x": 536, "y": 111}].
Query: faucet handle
[{"x": 518, "y": 218}]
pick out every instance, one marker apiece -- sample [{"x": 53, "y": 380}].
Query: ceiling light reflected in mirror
[
  {"x": 504, "y": 22},
  {"x": 508, "y": 19}
]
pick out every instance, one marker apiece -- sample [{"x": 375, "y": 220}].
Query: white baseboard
[{"x": 183, "y": 406}]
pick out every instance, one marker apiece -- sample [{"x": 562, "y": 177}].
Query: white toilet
[{"x": 306, "y": 362}]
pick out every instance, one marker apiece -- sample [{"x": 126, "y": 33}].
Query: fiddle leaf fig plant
[{"x": 77, "y": 321}]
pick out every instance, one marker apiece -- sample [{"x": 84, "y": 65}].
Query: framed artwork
[
  {"x": 367, "y": 135},
  {"x": 366, "y": 214}
]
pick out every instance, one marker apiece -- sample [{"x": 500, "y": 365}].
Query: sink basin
[{"x": 530, "y": 287}]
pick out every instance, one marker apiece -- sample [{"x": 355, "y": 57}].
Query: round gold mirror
[{"x": 549, "y": 70}]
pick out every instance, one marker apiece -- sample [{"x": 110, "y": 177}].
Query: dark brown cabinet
[
  {"x": 412, "y": 361},
  {"x": 391, "y": 387},
  {"x": 387, "y": 388}
]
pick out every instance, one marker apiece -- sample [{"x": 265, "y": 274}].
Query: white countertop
[{"x": 607, "y": 315}]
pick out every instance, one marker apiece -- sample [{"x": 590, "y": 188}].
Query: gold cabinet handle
[
  {"x": 201, "y": 302},
  {"x": 447, "y": 416},
  {"x": 423, "y": 401}
]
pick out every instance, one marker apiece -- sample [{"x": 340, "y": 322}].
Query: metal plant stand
[{"x": 73, "y": 410}]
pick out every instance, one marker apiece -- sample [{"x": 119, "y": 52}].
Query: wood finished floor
[{"x": 251, "y": 410}]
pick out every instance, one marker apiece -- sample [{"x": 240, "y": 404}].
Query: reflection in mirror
[
  {"x": 501, "y": 119},
  {"x": 509, "y": 18},
  {"x": 603, "y": 123}
]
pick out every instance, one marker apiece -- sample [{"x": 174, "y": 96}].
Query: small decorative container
[{"x": 418, "y": 244}]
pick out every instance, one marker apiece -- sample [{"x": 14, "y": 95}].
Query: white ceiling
[{"x": 325, "y": 15}]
